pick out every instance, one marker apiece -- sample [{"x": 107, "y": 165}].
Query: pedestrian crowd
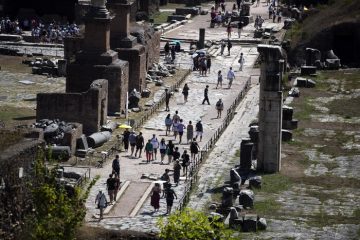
[{"x": 53, "y": 32}]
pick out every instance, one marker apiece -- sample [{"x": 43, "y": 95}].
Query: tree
[
  {"x": 56, "y": 214},
  {"x": 191, "y": 224}
]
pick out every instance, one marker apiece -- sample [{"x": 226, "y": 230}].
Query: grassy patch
[
  {"x": 329, "y": 183},
  {"x": 274, "y": 183},
  {"x": 345, "y": 107},
  {"x": 305, "y": 109},
  {"x": 331, "y": 165},
  {"x": 267, "y": 207},
  {"x": 319, "y": 195},
  {"x": 160, "y": 17},
  {"x": 8, "y": 138}
]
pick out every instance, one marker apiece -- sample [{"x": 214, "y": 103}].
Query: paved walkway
[{"x": 133, "y": 168}]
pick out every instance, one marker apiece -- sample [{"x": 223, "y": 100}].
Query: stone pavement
[{"x": 133, "y": 168}]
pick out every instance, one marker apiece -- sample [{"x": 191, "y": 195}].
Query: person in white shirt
[
  {"x": 155, "y": 143},
  {"x": 241, "y": 61},
  {"x": 230, "y": 76}
]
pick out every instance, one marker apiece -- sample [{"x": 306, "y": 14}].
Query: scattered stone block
[
  {"x": 286, "y": 135},
  {"x": 227, "y": 197},
  {"x": 304, "y": 82},
  {"x": 255, "y": 182},
  {"x": 294, "y": 92},
  {"x": 332, "y": 64},
  {"x": 233, "y": 216},
  {"x": 136, "y": 109},
  {"x": 146, "y": 93},
  {"x": 249, "y": 223},
  {"x": 308, "y": 70},
  {"x": 234, "y": 176},
  {"x": 261, "y": 224},
  {"x": 287, "y": 113},
  {"x": 246, "y": 198}
]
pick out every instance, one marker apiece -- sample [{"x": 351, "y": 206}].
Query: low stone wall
[{"x": 88, "y": 108}]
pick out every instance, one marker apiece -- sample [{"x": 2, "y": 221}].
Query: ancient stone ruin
[
  {"x": 97, "y": 60},
  {"x": 270, "y": 108},
  {"x": 88, "y": 108}
]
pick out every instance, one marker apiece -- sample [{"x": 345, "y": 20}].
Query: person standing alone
[{"x": 206, "y": 95}]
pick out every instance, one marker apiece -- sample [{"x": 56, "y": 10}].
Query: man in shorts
[{"x": 199, "y": 130}]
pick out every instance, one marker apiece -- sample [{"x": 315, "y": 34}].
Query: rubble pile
[{"x": 48, "y": 67}]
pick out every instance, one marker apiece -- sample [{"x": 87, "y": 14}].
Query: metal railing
[{"x": 205, "y": 151}]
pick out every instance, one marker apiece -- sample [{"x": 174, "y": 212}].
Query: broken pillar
[
  {"x": 201, "y": 43},
  {"x": 126, "y": 45},
  {"x": 312, "y": 55},
  {"x": 97, "y": 60},
  {"x": 270, "y": 108},
  {"x": 246, "y": 154}
]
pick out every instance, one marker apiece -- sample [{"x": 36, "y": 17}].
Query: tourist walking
[
  {"x": 208, "y": 63},
  {"x": 194, "y": 149},
  {"x": 116, "y": 165},
  {"x": 155, "y": 197},
  {"x": 177, "y": 170},
  {"x": 162, "y": 148},
  {"x": 110, "y": 185},
  {"x": 149, "y": 151},
  {"x": 241, "y": 61},
  {"x": 229, "y": 30},
  {"x": 173, "y": 54},
  {"x": 240, "y": 27},
  {"x": 132, "y": 141},
  {"x": 189, "y": 132},
  {"x": 222, "y": 47},
  {"x": 230, "y": 76},
  {"x": 168, "y": 124},
  {"x": 167, "y": 99},
  {"x": 167, "y": 49},
  {"x": 206, "y": 95},
  {"x": 219, "y": 107},
  {"x": 170, "y": 150},
  {"x": 229, "y": 46},
  {"x": 175, "y": 128},
  {"x": 117, "y": 186},
  {"x": 176, "y": 154},
  {"x": 101, "y": 202},
  {"x": 219, "y": 79},
  {"x": 199, "y": 130},
  {"x": 139, "y": 144},
  {"x": 176, "y": 117},
  {"x": 155, "y": 143},
  {"x": 170, "y": 195},
  {"x": 185, "y": 92},
  {"x": 185, "y": 161},
  {"x": 125, "y": 139},
  {"x": 180, "y": 128}
]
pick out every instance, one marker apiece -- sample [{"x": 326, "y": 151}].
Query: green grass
[
  {"x": 304, "y": 111},
  {"x": 347, "y": 108},
  {"x": 8, "y": 138},
  {"x": 160, "y": 17},
  {"x": 267, "y": 207},
  {"x": 8, "y": 113},
  {"x": 274, "y": 183}
]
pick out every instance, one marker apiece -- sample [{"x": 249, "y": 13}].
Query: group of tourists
[
  {"x": 202, "y": 64},
  {"x": 10, "y": 27},
  {"x": 53, "y": 32}
]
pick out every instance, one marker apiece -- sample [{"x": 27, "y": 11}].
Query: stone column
[
  {"x": 270, "y": 108},
  {"x": 97, "y": 28},
  {"x": 120, "y": 25},
  {"x": 201, "y": 44}
]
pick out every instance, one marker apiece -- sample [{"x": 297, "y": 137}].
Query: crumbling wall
[
  {"x": 88, "y": 108},
  {"x": 136, "y": 57}
]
